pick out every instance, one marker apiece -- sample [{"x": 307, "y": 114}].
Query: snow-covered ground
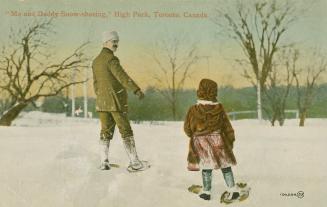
[{"x": 54, "y": 164}]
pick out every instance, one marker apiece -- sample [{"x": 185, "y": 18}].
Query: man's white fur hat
[{"x": 109, "y": 35}]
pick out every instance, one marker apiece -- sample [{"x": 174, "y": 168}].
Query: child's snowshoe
[
  {"x": 195, "y": 189},
  {"x": 240, "y": 193}
]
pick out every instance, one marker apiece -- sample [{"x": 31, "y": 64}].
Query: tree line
[{"x": 156, "y": 108}]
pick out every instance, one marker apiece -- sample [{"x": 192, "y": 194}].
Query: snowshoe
[
  {"x": 195, "y": 189},
  {"x": 143, "y": 165},
  {"x": 114, "y": 165},
  {"x": 240, "y": 193}
]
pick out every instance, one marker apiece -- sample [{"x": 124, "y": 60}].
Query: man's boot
[
  {"x": 135, "y": 164},
  {"x": 104, "y": 153}
]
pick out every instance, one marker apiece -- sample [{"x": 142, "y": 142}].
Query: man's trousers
[{"x": 108, "y": 122}]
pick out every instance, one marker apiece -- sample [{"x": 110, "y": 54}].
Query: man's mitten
[{"x": 140, "y": 94}]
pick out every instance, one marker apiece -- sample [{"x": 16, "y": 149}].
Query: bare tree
[
  {"x": 29, "y": 72},
  {"x": 174, "y": 57},
  {"x": 4, "y": 101},
  {"x": 278, "y": 85},
  {"x": 306, "y": 79},
  {"x": 258, "y": 27}
]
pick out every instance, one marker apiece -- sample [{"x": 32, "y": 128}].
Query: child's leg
[
  {"x": 229, "y": 179},
  {"x": 228, "y": 176},
  {"x": 206, "y": 179}
]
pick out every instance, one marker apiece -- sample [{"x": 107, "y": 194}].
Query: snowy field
[{"x": 52, "y": 162}]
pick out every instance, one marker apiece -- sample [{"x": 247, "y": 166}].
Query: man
[{"x": 111, "y": 83}]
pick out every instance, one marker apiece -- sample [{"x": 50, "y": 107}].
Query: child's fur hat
[{"x": 207, "y": 90}]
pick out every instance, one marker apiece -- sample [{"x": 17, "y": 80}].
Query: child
[{"x": 212, "y": 138}]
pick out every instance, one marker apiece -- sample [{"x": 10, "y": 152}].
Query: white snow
[{"x": 54, "y": 163}]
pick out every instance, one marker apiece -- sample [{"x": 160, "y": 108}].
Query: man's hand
[{"x": 140, "y": 94}]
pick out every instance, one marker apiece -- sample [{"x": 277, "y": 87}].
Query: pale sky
[{"x": 137, "y": 34}]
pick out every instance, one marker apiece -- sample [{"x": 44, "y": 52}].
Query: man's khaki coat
[{"x": 111, "y": 83}]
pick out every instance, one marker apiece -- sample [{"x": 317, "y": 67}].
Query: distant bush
[{"x": 55, "y": 104}]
